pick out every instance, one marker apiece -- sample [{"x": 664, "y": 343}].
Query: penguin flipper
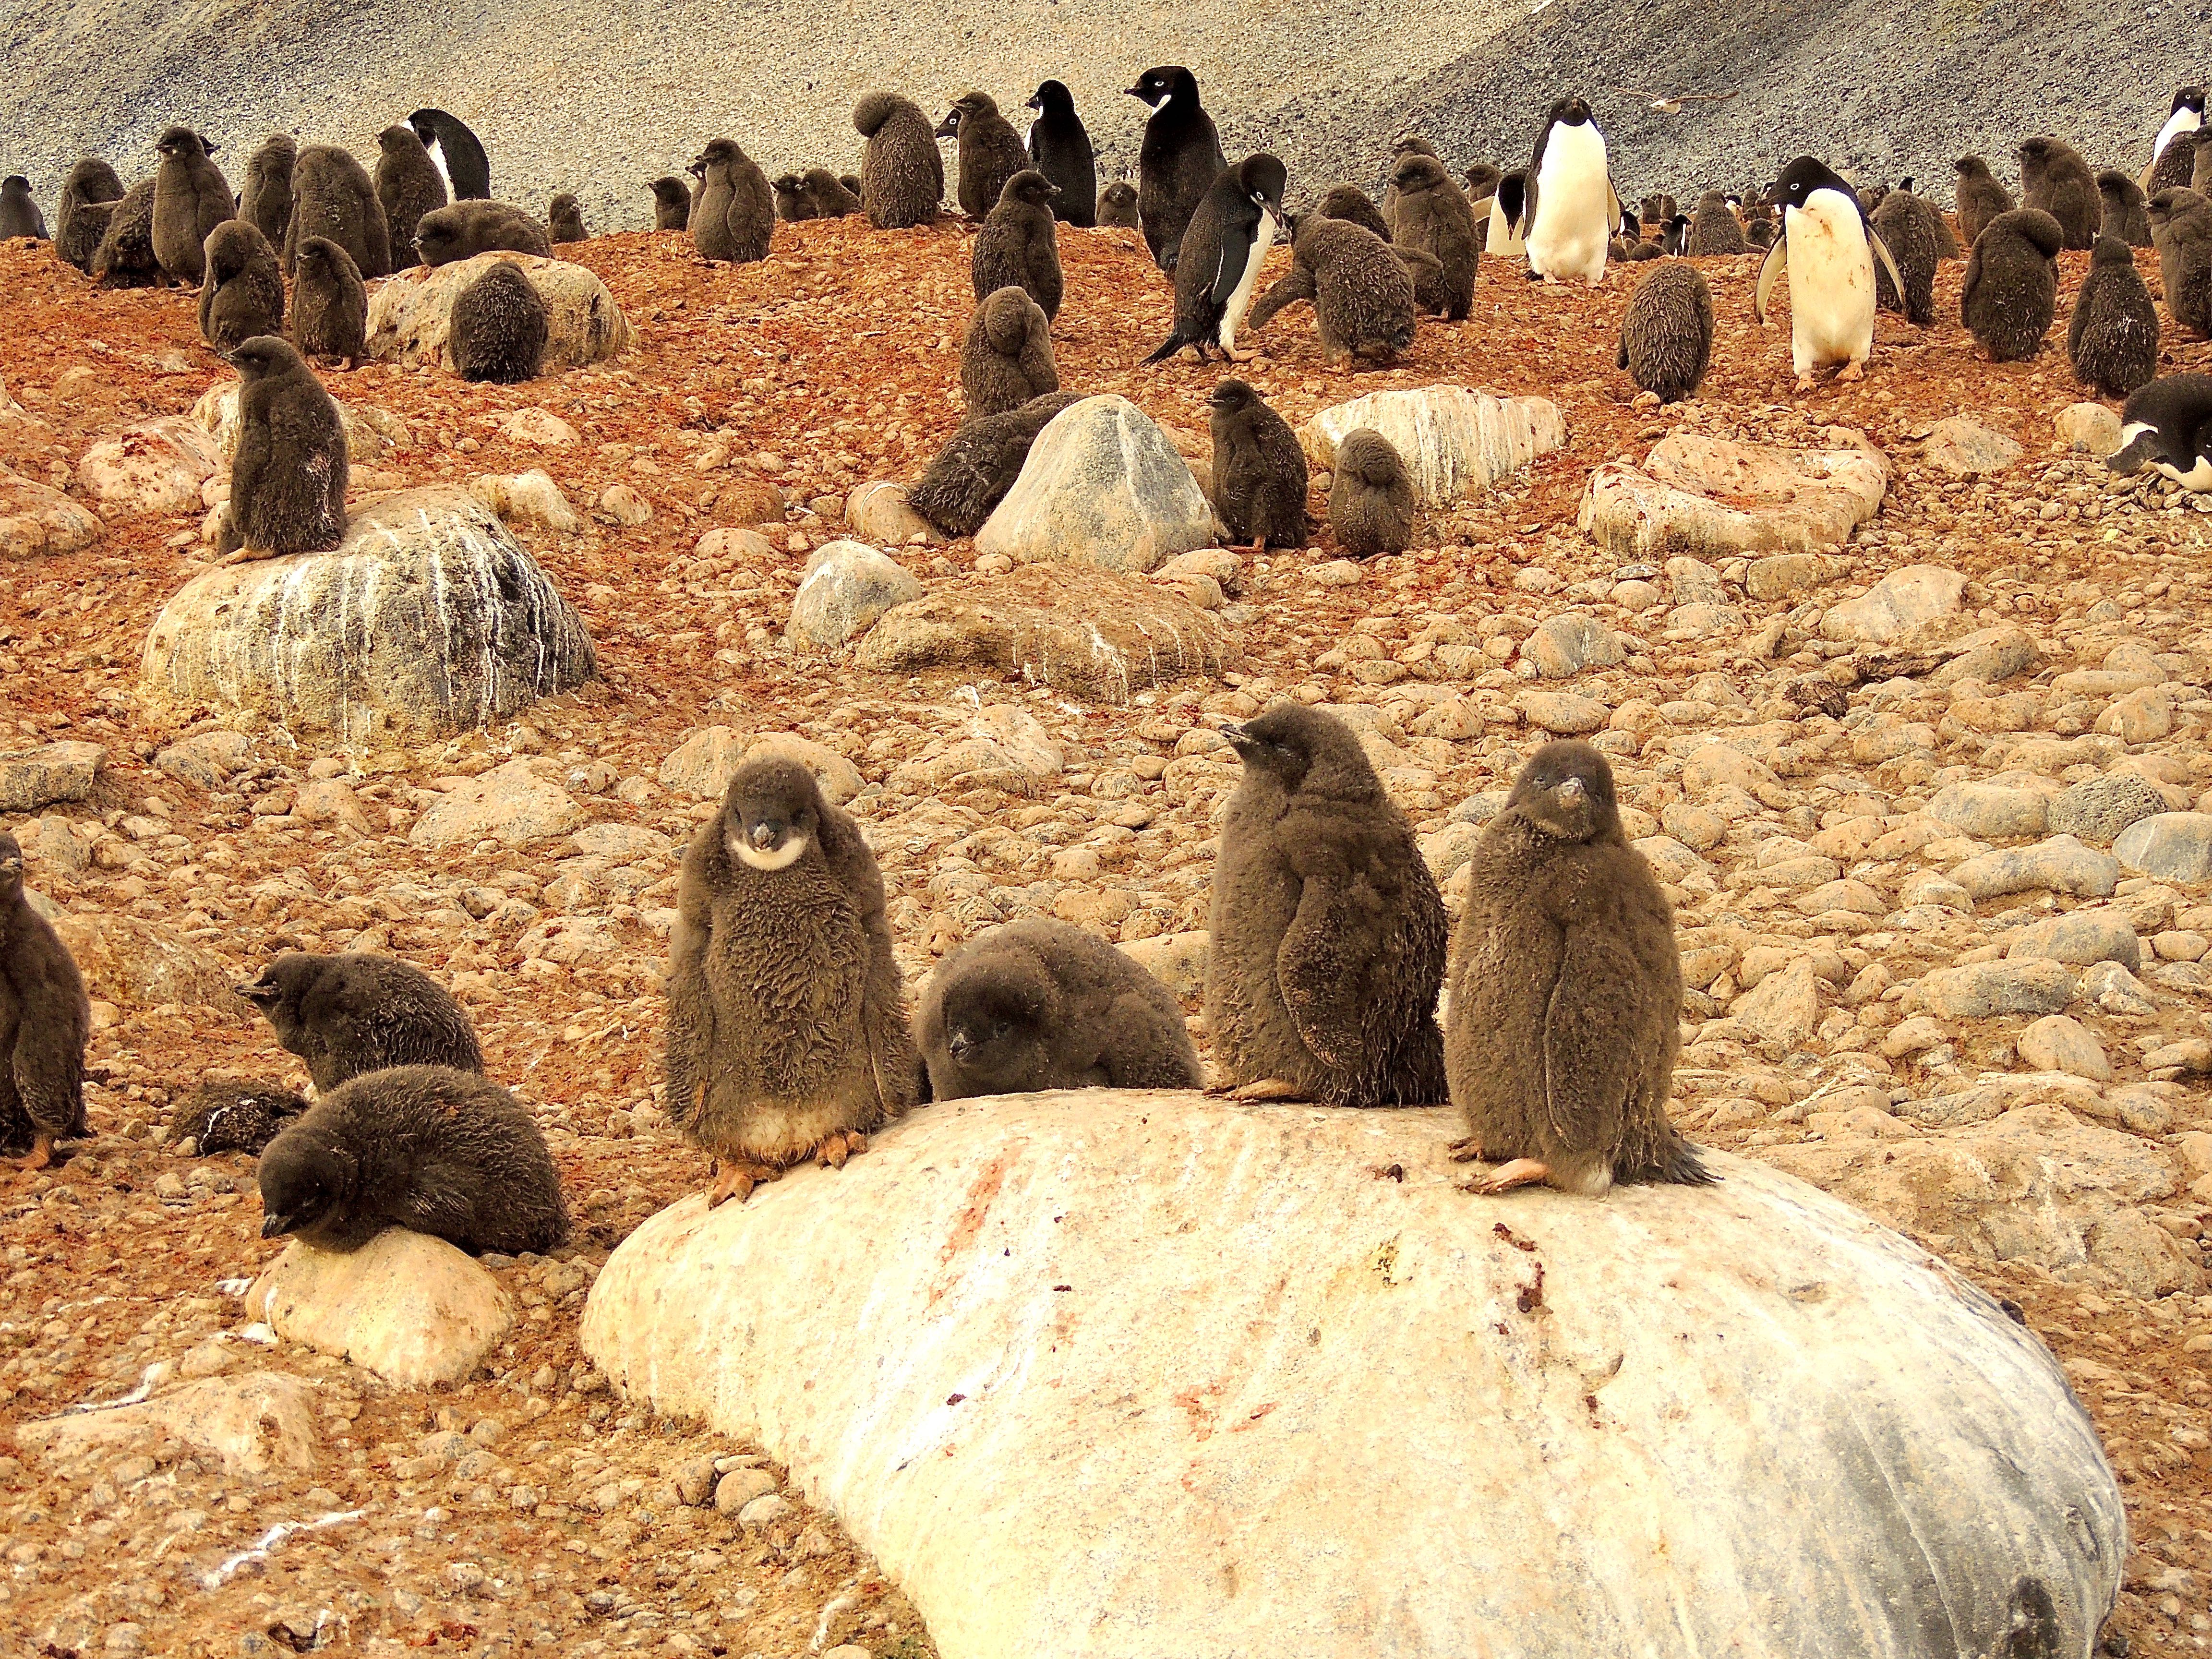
[
  {"x": 1320, "y": 968},
  {"x": 1881, "y": 253},
  {"x": 1769, "y": 268},
  {"x": 1229, "y": 271},
  {"x": 1588, "y": 1058}
]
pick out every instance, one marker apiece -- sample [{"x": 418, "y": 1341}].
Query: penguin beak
[
  {"x": 1242, "y": 741},
  {"x": 1034, "y": 102},
  {"x": 961, "y": 1045},
  {"x": 1137, "y": 91},
  {"x": 763, "y": 835},
  {"x": 1570, "y": 791},
  {"x": 254, "y": 991},
  {"x": 276, "y": 1224}
]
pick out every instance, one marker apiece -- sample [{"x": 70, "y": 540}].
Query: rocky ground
[{"x": 1875, "y": 956}]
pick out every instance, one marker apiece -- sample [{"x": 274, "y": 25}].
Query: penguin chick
[
  {"x": 2200, "y": 174},
  {"x": 2054, "y": 178},
  {"x": 1370, "y": 496},
  {"x": 287, "y": 480},
  {"x": 19, "y": 209},
  {"x": 88, "y": 197},
  {"x": 2126, "y": 209},
  {"x": 2181, "y": 231},
  {"x": 902, "y": 174},
  {"x": 124, "y": 257},
  {"x": 1328, "y": 933},
  {"x": 1667, "y": 332},
  {"x": 408, "y": 186},
  {"x": 1981, "y": 198},
  {"x": 1658, "y": 209},
  {"x": 333, "y": 197},
  {"x": 242, "y": 294},
  {"x": 1059, "y": 148},
  {"x": 191, "y": 198},
  {"x": 2167, "y": 427},
  {"x": 235, "y": 1117},
  {"x": 1405, "y": 144},
  {"x": 329, "y": 303},
  {"x": 1117, "y": 205},
  {"x": 447, "y": 235},
  {"x": 1432, "y": 217},
  {"x": 2011, "y": 291},
  {"x": 1714, "y": 230},
  {"x": 790, "y": 206},
  {"x": 1219, "y": 256},
  {"x": 988, "y": 151},
  {"x": 1566, "y": 993},
  {"x": 1907, "y": 225},
  {"x": 497, "y": 328},
  {"x": 425, "y": 1148},
  {"x": 266, "y": 201},
  {"x": 1360, "y": 291},
  {"x": 1350, "y": 203},
  {"x": 353, "y": 1013},
  {"x": 826, "y": 194},
  {"x": 1017, "y": 247},
  {"x": 1006, "y": 359},
  {"x": 671, "y": 204},
  {"x": 787, "y": 1034},
  {"x": 973, "y": 473},
  {"x": 1178, "y": 161},
  {"x": 565, "y": 220},
  {"x": 2113, "y": 340},
  {"x": 1259, "y": 474},
  {"x": 46, "y": 1021},
  {"x": 1038, "y": 1005}
]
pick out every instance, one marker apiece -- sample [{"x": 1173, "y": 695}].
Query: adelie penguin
[
  {"x": 19, "y": 209},
  {"x": 1667, "y": 333},
  {"x": 1259, "y": 473},
  {"x": 2172, "y": 153},
  {"x": 191, "y": 198},
  {"x": 88, "y": 198},
  {"x": 2010, "y": 292},
  {"x": 2113, "y": 337},
  {"x": 1981, "y": 197},
  {"x": 1569, "y": 208},
  {"x": 671, "y": 204},
  {"x": 45, "y": 1023},
  {"x": 2126, "y": 210},
  {"x": 455, "y": 152},
  {"x": 1223, "y": 248},
  {"x": 1178, "y": 161},
  {"x": 2167, "y": 427},
  {"x": 1017, "y": 247},
  {"x": 2054, "y": 178},
  {"x": 1059, "y": 148},
  {"x": 1829, "y": 250}
]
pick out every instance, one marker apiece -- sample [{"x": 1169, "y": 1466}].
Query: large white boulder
[
  {"x": 410, "y": 314},
  {"x": 1098, "y": 1374},
  {"x": 1712, "y": 497},
  {"x": 1454, "y": 442},
  {"x": 157, "y": 467},
  {"x": 1103, "y": 485},
  {"x": 429, "y": 619},
  {"x": 414, "y": 1309}
]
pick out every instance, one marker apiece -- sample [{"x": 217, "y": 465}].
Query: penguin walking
[
  {"x": 1226, "y": 243},
  {"x": 1569, "y": 208},
  {"x": 1829, "y": 250},
  {"x": 1059, "y": 148},
  {"x": 456, "y": 152},
  {"x": 1178, "y": 161}
]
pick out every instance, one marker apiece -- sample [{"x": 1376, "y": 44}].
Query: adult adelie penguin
[
  {"x": 2174, "y": 152},
  {"x": 1178, "y": 161},
  {"x": 455, "y": 152},
  {"x": 1501, "y": 214},
  {"x": 1829, "y": 250},
  {"x": 1569, "y": 209},
  {"x": 1059, "y": 148},
  {"x": 1225, "y": 245},
  {"x": 2168, "y": 426}
]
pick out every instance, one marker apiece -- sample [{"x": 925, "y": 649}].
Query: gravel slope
[{"x": 596, "y": 96}]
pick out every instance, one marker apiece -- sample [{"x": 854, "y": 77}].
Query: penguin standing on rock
[
  {"x": 2168, "y": 426},
  {"x": 1223, "y": 248},
  {"x": 1569, "y": 209},
  {"x": 1829, "y": 250},
  {"x": 1178, "y": 161},
  {"x": 456, "y": 152},
  {"x": 1059, "y": 148}
]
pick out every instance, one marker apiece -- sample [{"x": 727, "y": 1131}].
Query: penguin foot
[
  {"x": 1804, "y": 382},
  {"x": 833, "y": 1150},
  {"x": 1268, "y": 1089},
  {"x": 1520, "y": 1172},
  {"x": 1851, "y": 372},
  {"x": 1465, "y": 1151},
  {"x": 41, "y": 1155},
  {"x": 737, "y": 1180}
]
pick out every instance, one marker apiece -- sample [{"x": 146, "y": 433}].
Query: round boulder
[
  {"x": 411, "y": 315},
  {"x": 429, "y": 619}
]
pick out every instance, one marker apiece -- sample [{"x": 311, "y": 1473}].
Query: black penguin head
[
  {"x": 303, "y": 1179},
  {"x": 11, "y": 869},
  {"x": 1029, "y": 186},
  {"x": 2189, "y": 98},
  {"x": 995, "y": 1020},
  {"x": 1052, "y": 98},
  {"x": 1296, "y": 748},
  {"x": 1802, "y": 177},
  {"x": 183, "y": 140},
  {"x": 15, "y": 185},
  {"x": 949, "y": 126},
  {"x": 1679, "y": 222},
  {"x": 264, "y": 357},
  {"x": 1229, "y": 396},
  {"x": 1417, "y": 171},
  {"x": 1264, "y": 179},
  {"x": 1736, "y": 201},
  {"x": 771, "y": 813},
  {"x": 1566, "y": 791},
  {"x": 719, "y": 153},
  {"x": 1568, "y": 112},
  {"x": 1169, "y": 83}
]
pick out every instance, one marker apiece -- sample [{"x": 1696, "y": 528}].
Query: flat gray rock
[
  {"x": 2172, "y": 846},
  {"x": 1103, "y": 486}
]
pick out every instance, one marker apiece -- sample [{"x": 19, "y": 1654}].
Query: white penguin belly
[
  {"x": 438, "y": 160},
  {"x": 2182, "y": 120},
  {"x": 1240, "y": 298},
  {"x": 1574, "y": 211},
  {"x": 1831, "y": 283},
  {"x": 2199, "y": 477},
  {"x": 1501, "y": 240}
]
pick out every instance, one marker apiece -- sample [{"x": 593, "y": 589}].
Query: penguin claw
[
  {"x": 1267, "y": 1089},
  {"x": 834, "y": 1150},
  {"x": 1520, "y": 1172},
  {"x": 41, "y": 1155},
  {"x": 1804, "y": 382},
  {"x": 1851, "y": 371},
  {"x": 736, "y": 1180},
  {"x": 1467, "y": 1150}
]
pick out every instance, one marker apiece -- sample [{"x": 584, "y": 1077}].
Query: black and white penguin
[
  {"x": 2167, "y": 427},
  {"x": 1180, "y": 158},
  {"x": 1059, "y": 148},
  {"x": 1569, "y": 209},
  {"x": 1223, "y": 248},
  {"x": 1829, "y": 250},
  {"x": 456, "y": 152},
  {"x": 1502, "y": 208},
  {"x": 2186, "y": 118}
]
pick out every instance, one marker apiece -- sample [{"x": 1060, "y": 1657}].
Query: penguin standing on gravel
[
  {"x": 1569, "y": 208},
  {"x": 1059, "y": 148},
  {"x": 456, "y": 152},
  {"x": 1226, "y": 243},
  {"x": 1829, "y": 250},
  {"x": 1178, "y": 161}
]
